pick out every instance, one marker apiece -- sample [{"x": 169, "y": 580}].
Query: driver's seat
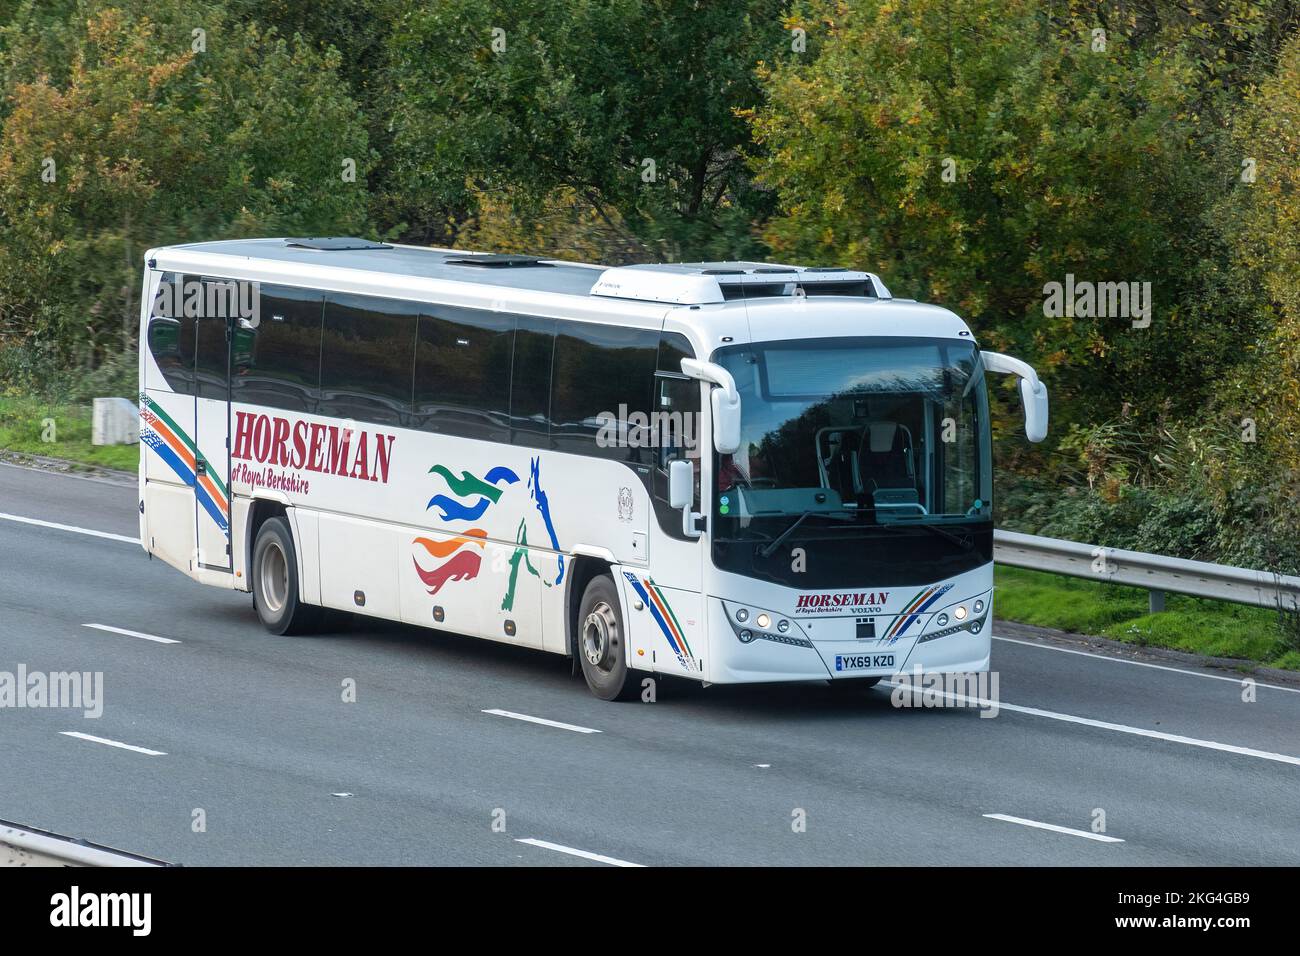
[{"x": 885, "y": 459}]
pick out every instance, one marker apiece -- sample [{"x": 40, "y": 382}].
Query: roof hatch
[
  {"x": 494, "y": 261},
  {"x": 335, "y": 244}
]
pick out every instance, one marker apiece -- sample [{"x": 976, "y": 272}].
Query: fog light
[
  {"x": 960, "y": 613},
  {"x": 979, "y": 607},
  {"x": 746, "y": 636},
  {"x": 763, "y": 621},
  {"x": 941, "y": 620},
  {"x": 975, "y": 627},
  {"x": 783, "y": 626},
  {"x": 742, "y": 615}
]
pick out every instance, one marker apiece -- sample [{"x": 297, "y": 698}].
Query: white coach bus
[{"x": 727, "y": 471}]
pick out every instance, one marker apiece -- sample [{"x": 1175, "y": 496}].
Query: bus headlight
[
  {"x": 968, "y": 617},
  {"x": 766, "y": 626}
]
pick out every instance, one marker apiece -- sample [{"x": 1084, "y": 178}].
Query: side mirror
[
  {"x": 726, "y": 422},
  {"x": 681, "y": 494},
  {"x": 1033, "y": 393},
  {"x": 681, "y": 484},
  {"x": 1035, "y": 402},
  {"x": 724, "y": 400}
]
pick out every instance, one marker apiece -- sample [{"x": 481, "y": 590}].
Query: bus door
[
  {"x": 671, "y": 631},
  {"x": 216, "y": 329}
]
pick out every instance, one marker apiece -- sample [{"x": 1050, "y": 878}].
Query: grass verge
[
  {"x": 33, "y": 427},
  {"x": 1197, "y": 625}
]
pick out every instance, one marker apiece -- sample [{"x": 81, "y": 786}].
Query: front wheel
[
  {"x": 275, "y": 582},
  {"x": 602, "y": 645}
]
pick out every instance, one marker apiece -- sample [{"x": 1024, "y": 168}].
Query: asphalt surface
[{"x": 256, "y": 740}]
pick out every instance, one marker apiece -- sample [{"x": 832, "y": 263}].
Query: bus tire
[
  {"x": 602, "y": 644},
  {"x": 275, "y": 582}
]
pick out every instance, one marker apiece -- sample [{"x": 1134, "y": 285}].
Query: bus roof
[
  {"x": 684, "y": 283},
  {"x": 713, "y": 301},
  {"x": 513, "y": 272}
]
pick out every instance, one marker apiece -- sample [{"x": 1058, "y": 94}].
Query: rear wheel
[
  {"x": 602, "y": 645},
  {"x": 275, "y": 582}
]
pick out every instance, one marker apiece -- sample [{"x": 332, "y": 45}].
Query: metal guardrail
[
  {"x": 1154, "y": 572},
  {"x": 23, "y": 846}
]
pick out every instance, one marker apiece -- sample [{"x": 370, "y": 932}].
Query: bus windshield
[{"x": 846, "y": 439}]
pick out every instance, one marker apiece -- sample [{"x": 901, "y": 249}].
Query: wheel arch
[
  {"x": 582, "y": 569},
  {"x": 258, "y": 513}
]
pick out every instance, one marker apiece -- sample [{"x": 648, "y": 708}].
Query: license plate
[{"x": 863, "y": 662}]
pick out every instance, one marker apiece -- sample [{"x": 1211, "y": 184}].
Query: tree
[
  {"x": 156, "y": 133},
  {"x": 1262, "y": 222},
  {"x": 626, "y": 106},
  {"x": 976, "y": 150}
]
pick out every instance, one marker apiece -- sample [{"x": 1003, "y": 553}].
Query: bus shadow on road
[{"x": 446, "y": 655}]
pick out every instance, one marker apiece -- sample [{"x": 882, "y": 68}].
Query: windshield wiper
[
  {"x": 965, "y": 543},
  {"x": 768, "y": 549}
]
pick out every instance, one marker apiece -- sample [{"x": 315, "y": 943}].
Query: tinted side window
[
  {"x": 462, "y": 372},
  {"x": 603, "y": 378},
  {"x": 219, "y": 310},
  {"x": 367, "y": 351},
  {"x": 278, "y": 363},
  {"x": 674, "y": 347},
  {"x": 530, "y": 381},
  {"x": 171, "y": 336}
]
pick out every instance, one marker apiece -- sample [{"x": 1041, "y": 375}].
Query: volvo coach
[{"x": 728, "y": 471}]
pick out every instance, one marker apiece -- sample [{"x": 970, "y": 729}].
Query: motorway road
[{"x": 252, "y": 730}]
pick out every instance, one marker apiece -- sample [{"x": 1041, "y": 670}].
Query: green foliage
[
  {"x": 58, "y": 430},
  {"x": 580, "y": 96},
  {"x": 1063, "y": 159},
  {"x": 141, "y": 141},
  {"x": 1121, "y": 613}
]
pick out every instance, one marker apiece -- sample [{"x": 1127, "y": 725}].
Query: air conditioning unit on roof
[{"x": 708, "y": 283}]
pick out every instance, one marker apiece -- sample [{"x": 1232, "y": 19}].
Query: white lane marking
[
  {"x": 541, "y": 720},
  {"x": 1159, "y": 667},
  {"x": 1106, "y": 725},
  {"x": 582, "y": 853},
  {"x": 69, "y": 527},
  {"x": 139, "y": 634},
  {"x": 113, "y": 743},
  {"x": 1099, "y": 837}
]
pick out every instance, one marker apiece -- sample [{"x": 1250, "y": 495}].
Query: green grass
[
  {"x": 25, "y": 428},
  {"x": 1200, "y": 626}
]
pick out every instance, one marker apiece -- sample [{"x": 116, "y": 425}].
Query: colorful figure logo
[{"x": 473, "y": 496}]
